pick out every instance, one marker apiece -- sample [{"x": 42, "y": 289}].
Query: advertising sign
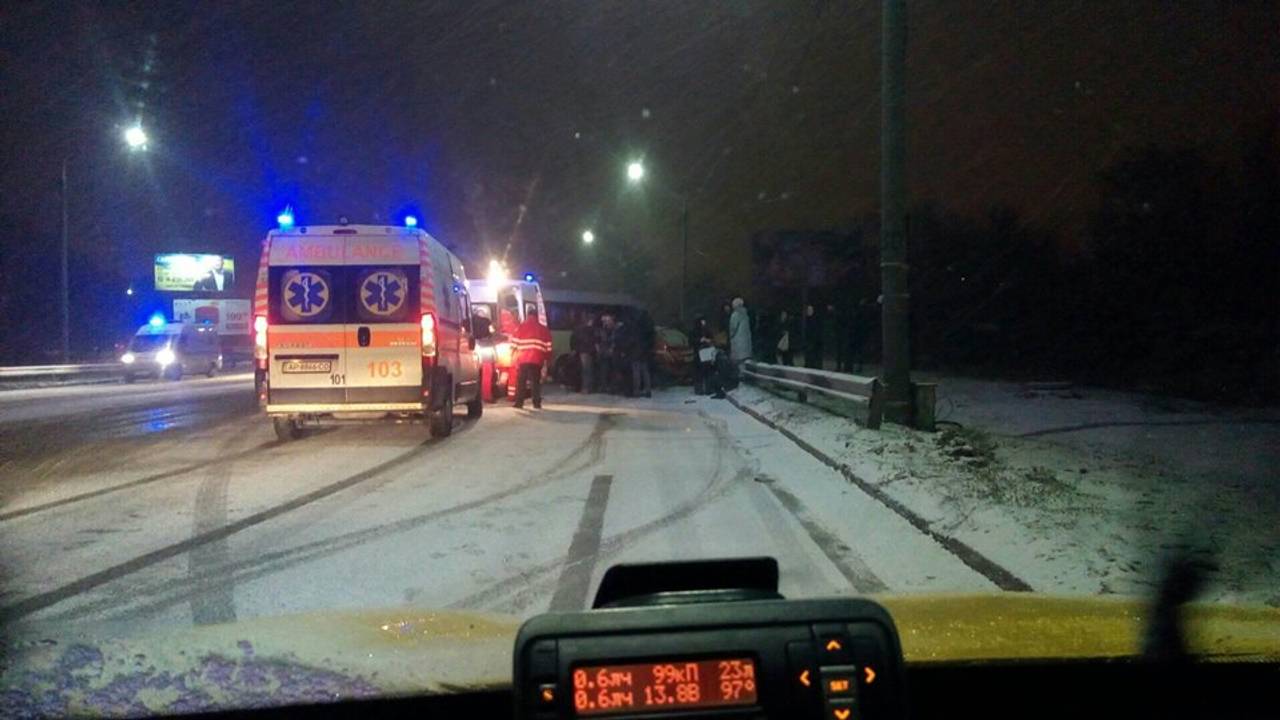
[
  {"x": 231, "y": 317},
  {"x": 185, "y": 272}
]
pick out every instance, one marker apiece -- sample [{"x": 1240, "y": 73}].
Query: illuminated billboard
[
  {"x": 231, "y": 317},
  {"x": 187, "y": 272}
]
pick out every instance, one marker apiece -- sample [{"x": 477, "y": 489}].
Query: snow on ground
[{"x": 1075, "y": 490}]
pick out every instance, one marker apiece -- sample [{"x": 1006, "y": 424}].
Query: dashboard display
[{"x": 654, "y": 686}]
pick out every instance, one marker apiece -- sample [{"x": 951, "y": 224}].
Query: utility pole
[
  {"x": 684, "y": 267},
  {"x": 66, "y": 289},
  {"x": 895, "y": 311}
]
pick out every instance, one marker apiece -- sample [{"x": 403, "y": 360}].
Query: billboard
[
  {"x": 232, "y": 317},
  {"x": 187, "y": 272}
]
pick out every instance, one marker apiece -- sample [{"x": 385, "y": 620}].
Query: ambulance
[
  {"x": 504, "y": 304},
  {"x": 360, "y": 323}
]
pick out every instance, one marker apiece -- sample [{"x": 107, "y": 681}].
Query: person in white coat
[{"x": 739, "y": 334}]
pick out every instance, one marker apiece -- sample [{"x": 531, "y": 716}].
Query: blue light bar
[
  {"x": 528, "y": 277},
  {"x": 156, "y": 320},
  {"x": 285, "y": 218},
  {"x": 410, "y": 221}
]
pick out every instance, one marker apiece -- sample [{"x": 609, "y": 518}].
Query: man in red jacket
[{"x": 531, "y": 344}]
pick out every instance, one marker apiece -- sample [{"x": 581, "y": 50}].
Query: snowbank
[{"x": 1075, "y": 490}]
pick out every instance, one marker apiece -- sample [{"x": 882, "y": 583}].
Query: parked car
[{"x": 672, "y": 354}]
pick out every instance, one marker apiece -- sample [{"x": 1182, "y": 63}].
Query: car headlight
[
  {"x": 128, "y": 358},
  {"x": 165, "y": 356}
]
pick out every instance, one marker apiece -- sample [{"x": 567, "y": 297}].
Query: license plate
[{"x": 306, "y": 366}]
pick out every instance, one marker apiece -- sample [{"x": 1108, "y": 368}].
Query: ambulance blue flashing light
[
  {"x": 156, "y": 320},
  {"x": 528, "y": 277},
  {"x": 410, "y": 221},
  {"x": 285, "y": 218}
]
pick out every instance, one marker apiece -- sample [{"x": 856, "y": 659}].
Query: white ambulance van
[
  {"x": 360, "y": 322},
  {"x": 504, "y": 304}
]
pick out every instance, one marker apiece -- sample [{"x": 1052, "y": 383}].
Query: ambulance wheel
[
  {"x": 475, "y": 408},
  {"x": 286, "y": 429},
  {"x": 441, "y": 423}
]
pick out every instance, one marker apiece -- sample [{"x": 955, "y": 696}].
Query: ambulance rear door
[
  {"x": 384, "y": 331},
  {"x": 306, "y": 318}
]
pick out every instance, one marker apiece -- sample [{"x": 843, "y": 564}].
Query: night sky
[{"x": 508, "y": 125}]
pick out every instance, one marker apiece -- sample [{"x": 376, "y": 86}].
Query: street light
[
  {"x": 588, "y": 237},
  {"x": 635, "y": 173},
  {"x": 136, "y": 138}
]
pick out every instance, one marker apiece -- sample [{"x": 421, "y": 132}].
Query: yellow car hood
[{"x": 326, "y": 656}]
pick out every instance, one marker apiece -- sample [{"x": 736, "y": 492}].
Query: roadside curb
[{"x": 979, "y": 563}]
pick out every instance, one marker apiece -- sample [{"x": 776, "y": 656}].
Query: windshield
[
  {"x": 147, "y": 343},
  {"x": 985, "y": 307}
]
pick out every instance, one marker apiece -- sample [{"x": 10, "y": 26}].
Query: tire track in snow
[{"x": 172, "y": 592}]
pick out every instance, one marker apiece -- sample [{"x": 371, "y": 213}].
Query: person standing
[
  {"x": 783, "y": 347},
  {"x": 739, "y": 334},
  {"x": 583, "y": 342},
  {"x": 706, "y": 380},
  {"x": 632, "y": 341},
  {"x": 532, "y": 344},
  {"x": 605, "y": 353},
  {"x": 813, "y": 348}
]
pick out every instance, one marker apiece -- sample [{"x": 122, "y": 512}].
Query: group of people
[
  {"x": 808, "y": 335},
  {"x": 716, "y": 367},
  {"x": 615, "y": 353}
]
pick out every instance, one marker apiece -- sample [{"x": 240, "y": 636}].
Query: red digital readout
[{"x": 679, "y": 684}]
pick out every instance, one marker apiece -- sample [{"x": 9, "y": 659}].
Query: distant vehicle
[
  {"x": 565, "y": 309},
  {"x": 504, "y": 304},
  {"x": 672, "y": 354},
  {"x": 170, "y": 350},
  {"x": 361, "y": 322}
]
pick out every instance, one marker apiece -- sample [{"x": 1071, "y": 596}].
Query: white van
[
  {"x": 165, "y": 349},
  {"x": 361, "y": 322}
]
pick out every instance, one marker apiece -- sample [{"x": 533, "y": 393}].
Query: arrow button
[
  {"x": 870, "y": 675},
  {"x": 840, "y": 709}
]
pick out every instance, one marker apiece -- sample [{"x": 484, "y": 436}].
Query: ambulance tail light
[
  {"x": 428, "y": 335},
  {"x": 260, "y": 339}
]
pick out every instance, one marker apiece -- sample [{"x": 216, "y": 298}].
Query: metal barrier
[
  {"x": 33, "y": 372},
  {"x": 863, "y": 392}
]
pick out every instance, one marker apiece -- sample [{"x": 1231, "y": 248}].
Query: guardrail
[
  {"x": 862, "y": 392},
  {"x": 35, "y": 372}
]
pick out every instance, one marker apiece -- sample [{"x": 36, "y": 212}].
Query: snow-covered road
[{"x": 172, "y": 504}]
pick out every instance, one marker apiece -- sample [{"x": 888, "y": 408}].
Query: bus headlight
[{"x": 165, "y": 357}]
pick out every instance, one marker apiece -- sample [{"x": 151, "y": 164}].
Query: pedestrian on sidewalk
[
  {"x": 783, "y": 352},
  {"x": 700, "y": 336},
  {"x": 532, "y": 345},
  {"x": 813, "y": 347},
  {"x": 739, "y": 334},
  {"x": 708, "y": 380}
]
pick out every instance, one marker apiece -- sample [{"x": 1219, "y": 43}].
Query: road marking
[{"x": 575, "y": 578}]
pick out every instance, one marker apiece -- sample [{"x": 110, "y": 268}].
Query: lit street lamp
[
  {"x": 588, "y": 237},
  {"x": 635, "y": 173},
  {"x": 136, "y": 138}
]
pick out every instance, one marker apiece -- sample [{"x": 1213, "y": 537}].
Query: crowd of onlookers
[{"x": 614, "y": 351}]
